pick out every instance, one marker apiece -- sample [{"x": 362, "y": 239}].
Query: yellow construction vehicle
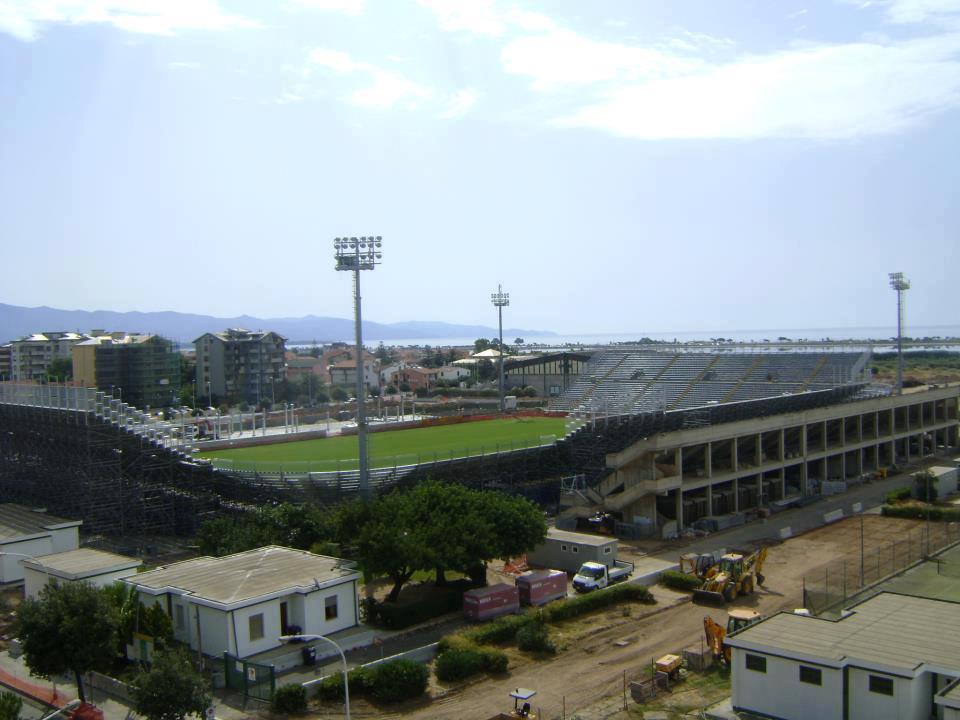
[
  {"x": 703, "y": 565},
  {"x": 737, "y": 574},
  {"x": 737, "y": 619},
  {"x": 521, "y": 706}
]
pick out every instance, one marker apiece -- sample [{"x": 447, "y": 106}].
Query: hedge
[
  {"x": 391, "y": 681},
  {"x": 404, "y": 614},
  {"x": 572, "y": 607},
  {"x": 535, "y": 637},
  {"x": 502, "y": 630},
  {"x": 898, "y": 494},
  {"x": 291, "y": 698},
  {"x": 457, "y": 663},
  {"x": 921, "y": 512},
  {"x": 680, "y": 580}
]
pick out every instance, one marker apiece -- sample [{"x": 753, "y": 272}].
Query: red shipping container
[
  {"x": 490, "y": 602},
  {"x": 538, "y": 587}
]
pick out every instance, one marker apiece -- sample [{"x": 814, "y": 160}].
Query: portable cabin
[{"x": 567, "y": 550}]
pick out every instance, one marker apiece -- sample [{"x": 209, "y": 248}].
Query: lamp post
[
  {"x": 500, "y": 300},
  {"x": 353, "y": 255},
  {"x": 900, "y": 284},
  {"x": 343, "y": 658}
]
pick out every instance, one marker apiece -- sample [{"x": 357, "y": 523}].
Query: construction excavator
[
  {"x": 737, "y": 619},
  {"x": 738, "y": 573},
  {"x": 703, "y": 565}
]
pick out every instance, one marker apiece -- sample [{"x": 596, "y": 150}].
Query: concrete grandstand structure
[{"x": 686, "y": 438}]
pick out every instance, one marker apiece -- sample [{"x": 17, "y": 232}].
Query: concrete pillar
[
  {"x": 760, "y": 497},
  {"x": 679, "y": 508},
  {"x": 736, "y": 495},
  {"x": 710, "y": 500},
  {"x": 803, "y": 477},
  {"x": 708, "y": 460},
  {"x": 734, "y": 460},
  {"x": 783, "y": 445}
]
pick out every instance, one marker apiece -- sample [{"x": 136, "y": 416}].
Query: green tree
[
  {"x": 287, "y": 524},
  {"x": 384, "y": 354},
  {"x": 60, "y": 369},
  {"x": 486, "y": 370},
  {"x": 69, "y": 628},
  {"x": 171, "y": 689},
  {"x": 339, "y": 394},
  {"x": 481, "y": 344},
  {"x": 10, "y": 706}
]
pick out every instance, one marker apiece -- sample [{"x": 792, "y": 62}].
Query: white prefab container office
[{"x": 565, "y": 550}]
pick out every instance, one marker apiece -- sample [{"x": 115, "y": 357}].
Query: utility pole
[
  {"x": 500, "y": 300},
  {"x": 353, "y": 255}
]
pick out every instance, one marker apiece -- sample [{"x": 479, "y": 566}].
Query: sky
[{"x": 617, "y": 165}]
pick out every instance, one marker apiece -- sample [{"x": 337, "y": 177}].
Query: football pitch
[{"x": 393, "y": 447}]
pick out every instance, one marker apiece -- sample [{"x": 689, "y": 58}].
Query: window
[
  {"x": 330, "y": 606},
  {"x": 181, "y": 620},
  {"x": 881, "y": 685},
  {"x": 256, "y": 626},
  {"x": 563, "y": 548},
  {"x": 574, "y": 548},
  {"x": 757, "y": 663},
  {"x": 810, "y": 675},
  {"x": 607, "y": 550}
]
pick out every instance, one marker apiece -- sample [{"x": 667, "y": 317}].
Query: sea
[{"x": 881, "y": 336}]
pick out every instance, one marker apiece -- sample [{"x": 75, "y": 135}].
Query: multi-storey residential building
[
  {"x": 344, "y": 373},
  {"x": 30, "y": 357},
  {"x": 239, "y": 363},
  {"x": 6, "y": 362},
  {"x": 142, "y": 370}
]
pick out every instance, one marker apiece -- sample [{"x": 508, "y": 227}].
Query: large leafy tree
[
  {"x": 296, "y": 526},
  {"x": 70, "y": 628},
  {"x": 171, "y": 689}
]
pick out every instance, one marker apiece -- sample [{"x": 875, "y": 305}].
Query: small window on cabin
[
  {"x": 575, "y": 549},
  {"x": 607, "y": 550},
  {"x": 255, "y": 623},
  {"x": 881, "y": 685},
  {"x": 810, "y": 675},
  {"x": 757, "y": 663},
  {"x": 330, "y": 607},
  {"x": 563, "y": 548}
]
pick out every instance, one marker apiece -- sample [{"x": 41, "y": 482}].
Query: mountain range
[{"x": 184, "y": 328}]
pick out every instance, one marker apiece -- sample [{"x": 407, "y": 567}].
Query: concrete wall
[
  {"x": 314, "y": 610},
  {"x": 905, "y": 703},
  {"x": 35, "y": 579},
  {"x": 11, "y": 568},
  {"x": 779, "y": 693},
  {"x": 64, "y": 539}
]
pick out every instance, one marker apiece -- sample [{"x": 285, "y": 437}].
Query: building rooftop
[
  {"x": 82, "y": 563},
  {"x": 579, "y": 538},
  {"x": 18, "y": 520},
  {"x": 897, "y": 632},
  {"x": 245, "y": 576}
]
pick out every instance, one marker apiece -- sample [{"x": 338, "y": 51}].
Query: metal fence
[
  {"x": 252, "y": 679},
  {"x": 826, "y": 590}
]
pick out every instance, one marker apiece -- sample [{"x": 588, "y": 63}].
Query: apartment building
[
  {"x": 140, "y": 369},
  {"x": 241, "y": 364},
  {"x": 30, "y": 356}
]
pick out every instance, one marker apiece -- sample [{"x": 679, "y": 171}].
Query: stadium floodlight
[
  {"x": 500, "y": 299},
  {"x": 900, "y": 284},
  {"x": 353, "y": 255}
]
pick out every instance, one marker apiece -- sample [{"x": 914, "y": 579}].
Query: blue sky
[{"x": 617, "y": 166}]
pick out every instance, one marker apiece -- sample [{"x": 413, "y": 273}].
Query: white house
[
  {"x": 892, "y": 656},
  {"x": 96, "y": 567},
  {"x": 453, "y": 373},
  {"x": 31, "y": 532},
  {"x": 243, "y": 603}
]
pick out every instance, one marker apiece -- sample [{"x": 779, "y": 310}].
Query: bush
[
  {"x": 572, "y": 607},
  {"x": 898, "y": 494},
  {"x": 331, "y": 687},
  {"x": 404, "y": 614},
  {"x": 502, "y": 630},
  {"x": 680, "y": 580},
  {"x": 290, "y": 698},
  {"x": 921, "y": 512},
  {"x": 396, "y": 680},
  {"x": 535, "y": 637},
  {"x": 457, "y": 663}
]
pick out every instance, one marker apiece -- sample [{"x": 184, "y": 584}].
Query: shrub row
[
  {"x": 502, "y": 630},
  {"x": 463, "y": 660},
  {"x": 404, "y": 614},
  {"x": 921, "y": 512},
  {"x": 387, "y": 682},
  {"x": 898, "y": 494},
  {"x": 291, "y": 698},
  {"x": 680, "y": 580},
  {"x": 574, "y": 606},
  {"x": 535, "y": 637}
]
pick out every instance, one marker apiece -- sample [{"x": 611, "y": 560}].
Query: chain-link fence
[{"x": 828, "y": 588}]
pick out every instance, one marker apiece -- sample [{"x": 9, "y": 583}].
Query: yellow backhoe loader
[
  {"x": 737, "y": 619},
  {"x": 737, "y": 574}
]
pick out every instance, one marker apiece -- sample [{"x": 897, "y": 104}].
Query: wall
[
  {"x": 10, "y": 568},
  {"x": 871, "y": 705},
  {"x": 215, "y": 630},
  {"x": 779, "y": 692},
  {"x": 65, "y": 539},
  {"x": 36, "y": 579},
  {"x": 314, "y": 611}
]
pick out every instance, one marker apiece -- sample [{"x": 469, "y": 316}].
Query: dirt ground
[{"x": 599, "y": 654}]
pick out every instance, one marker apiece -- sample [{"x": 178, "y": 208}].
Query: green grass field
[{"x": 394, "y": 447}]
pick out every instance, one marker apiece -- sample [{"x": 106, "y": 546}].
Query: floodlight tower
[
  {"x": 899, "y": 283},
  {"x": 353, "y": 255},
  {"x": 500, "y": 299}
]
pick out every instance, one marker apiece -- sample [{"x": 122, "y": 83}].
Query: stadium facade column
[
  {"x": 709, "y": 493},
  {"x": 736, "y": 495},
  {"x": 708, "y": 461},
  {"x": 678, "y": 499}
]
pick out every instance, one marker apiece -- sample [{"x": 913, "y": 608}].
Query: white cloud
[
  {"x": 564, "y": 58},
  {"x": 824, "y": 92},
  {"x": 387, "y": 89},
  {"x": 346, "y": 7},
  {"x": 918, "y": 11},
  {"x": 461, "y": 104},
  {"x": 485, "y": 17},
  {"x": 25, "y": 19},
  {"x": 798, "y": 13}
]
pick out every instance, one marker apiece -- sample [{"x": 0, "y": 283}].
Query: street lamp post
[
  {"x": 900, "y": 284},
  {"x": 500, "y": 300},
  {"x": 353, "y": 255},
  {"x": 343, "y": 658}
]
